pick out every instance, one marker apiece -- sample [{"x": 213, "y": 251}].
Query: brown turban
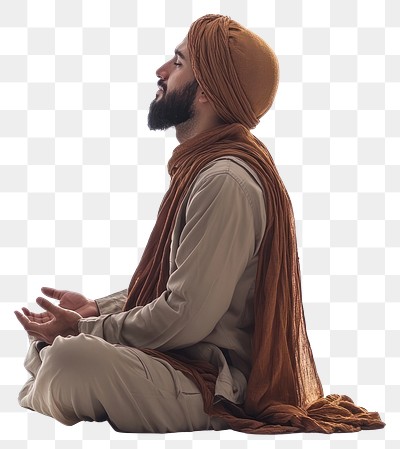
[{"x": 234, "y": 67}]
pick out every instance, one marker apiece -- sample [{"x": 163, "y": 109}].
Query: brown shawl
[{"x": 284, "y": 392}]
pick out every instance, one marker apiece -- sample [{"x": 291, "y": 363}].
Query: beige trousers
[{"x": 85, "y": 378}]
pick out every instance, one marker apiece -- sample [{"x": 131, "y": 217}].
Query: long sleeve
[
  {"x": 112, "y": 303},
  {"x": 215, "y": 245}
]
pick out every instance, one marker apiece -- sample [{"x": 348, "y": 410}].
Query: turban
[{"x": 234, "y": 67}]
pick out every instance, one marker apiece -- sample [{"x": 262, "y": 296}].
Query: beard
[{"x": 173, "y": 108}]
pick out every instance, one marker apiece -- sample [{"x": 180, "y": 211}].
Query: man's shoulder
[
  {"x": 239, "y": 172},
  {"x": 240, "y": 177},
  {"x": 231, "y": 166}
]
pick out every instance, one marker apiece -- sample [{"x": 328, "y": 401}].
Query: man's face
[{"x": 174, "y": 102}]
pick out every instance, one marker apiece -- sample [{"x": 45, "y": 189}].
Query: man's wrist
[{"x": 75, "y": 327}]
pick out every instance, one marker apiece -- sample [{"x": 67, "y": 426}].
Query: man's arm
[
  {"x": 113, "y": 303},
  {"x": 215, "y": 246}
]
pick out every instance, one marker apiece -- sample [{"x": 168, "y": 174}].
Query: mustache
[{"x": 161, "y": 84}]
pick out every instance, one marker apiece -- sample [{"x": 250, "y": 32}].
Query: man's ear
[{"x": 203, "y": 98}]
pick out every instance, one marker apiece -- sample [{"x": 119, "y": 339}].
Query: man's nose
[{"x": 162, "y": 72}]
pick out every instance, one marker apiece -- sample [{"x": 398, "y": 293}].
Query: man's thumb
[
  {"x": 47, "y": 305},
  {"x": 51, "y": 292}
]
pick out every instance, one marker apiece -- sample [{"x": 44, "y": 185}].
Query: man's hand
[
  {"x": 48, "y": 325},
  {"x": 73, "y": 301}
]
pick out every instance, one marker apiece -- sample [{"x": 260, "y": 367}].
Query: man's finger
[
  {"x": 28, "y": 313},
  {"x": 21, "y": 318},
  {"x": 37, "y": 317},
  {"x": 47, "y": 305},
  {"x": 29, "y": 326},
  {"x": 52, "y": 292}
]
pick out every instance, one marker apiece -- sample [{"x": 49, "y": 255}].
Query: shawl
[{"x": 284, "y": 392}]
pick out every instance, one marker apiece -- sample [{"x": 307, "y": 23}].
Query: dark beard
[{"x": 174, "y": 108}]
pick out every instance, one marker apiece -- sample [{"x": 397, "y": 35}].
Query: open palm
[
  {"x": 55, "y": 321},
  {"x": 67, "y": 300}
]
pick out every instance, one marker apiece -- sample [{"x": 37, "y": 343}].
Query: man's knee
[
  {"x": 71, "y": 358},
  {"x": 64, "y": 387},
  {"x": 79, "y": 346}
]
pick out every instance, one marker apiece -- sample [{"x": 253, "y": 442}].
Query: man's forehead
[{"x": 182, "y": 47}]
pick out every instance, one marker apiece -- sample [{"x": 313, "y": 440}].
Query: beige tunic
[{"x": 207, "y": 307}]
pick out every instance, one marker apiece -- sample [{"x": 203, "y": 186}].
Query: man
[{"x": 210, "y": 333}]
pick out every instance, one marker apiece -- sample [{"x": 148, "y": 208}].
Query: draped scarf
[{"x": 284, "y": 393}]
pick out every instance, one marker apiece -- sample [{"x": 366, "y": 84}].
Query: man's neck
[
  {"x": 186, "y": 130},
  {"x": 191, "y": 128}
]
